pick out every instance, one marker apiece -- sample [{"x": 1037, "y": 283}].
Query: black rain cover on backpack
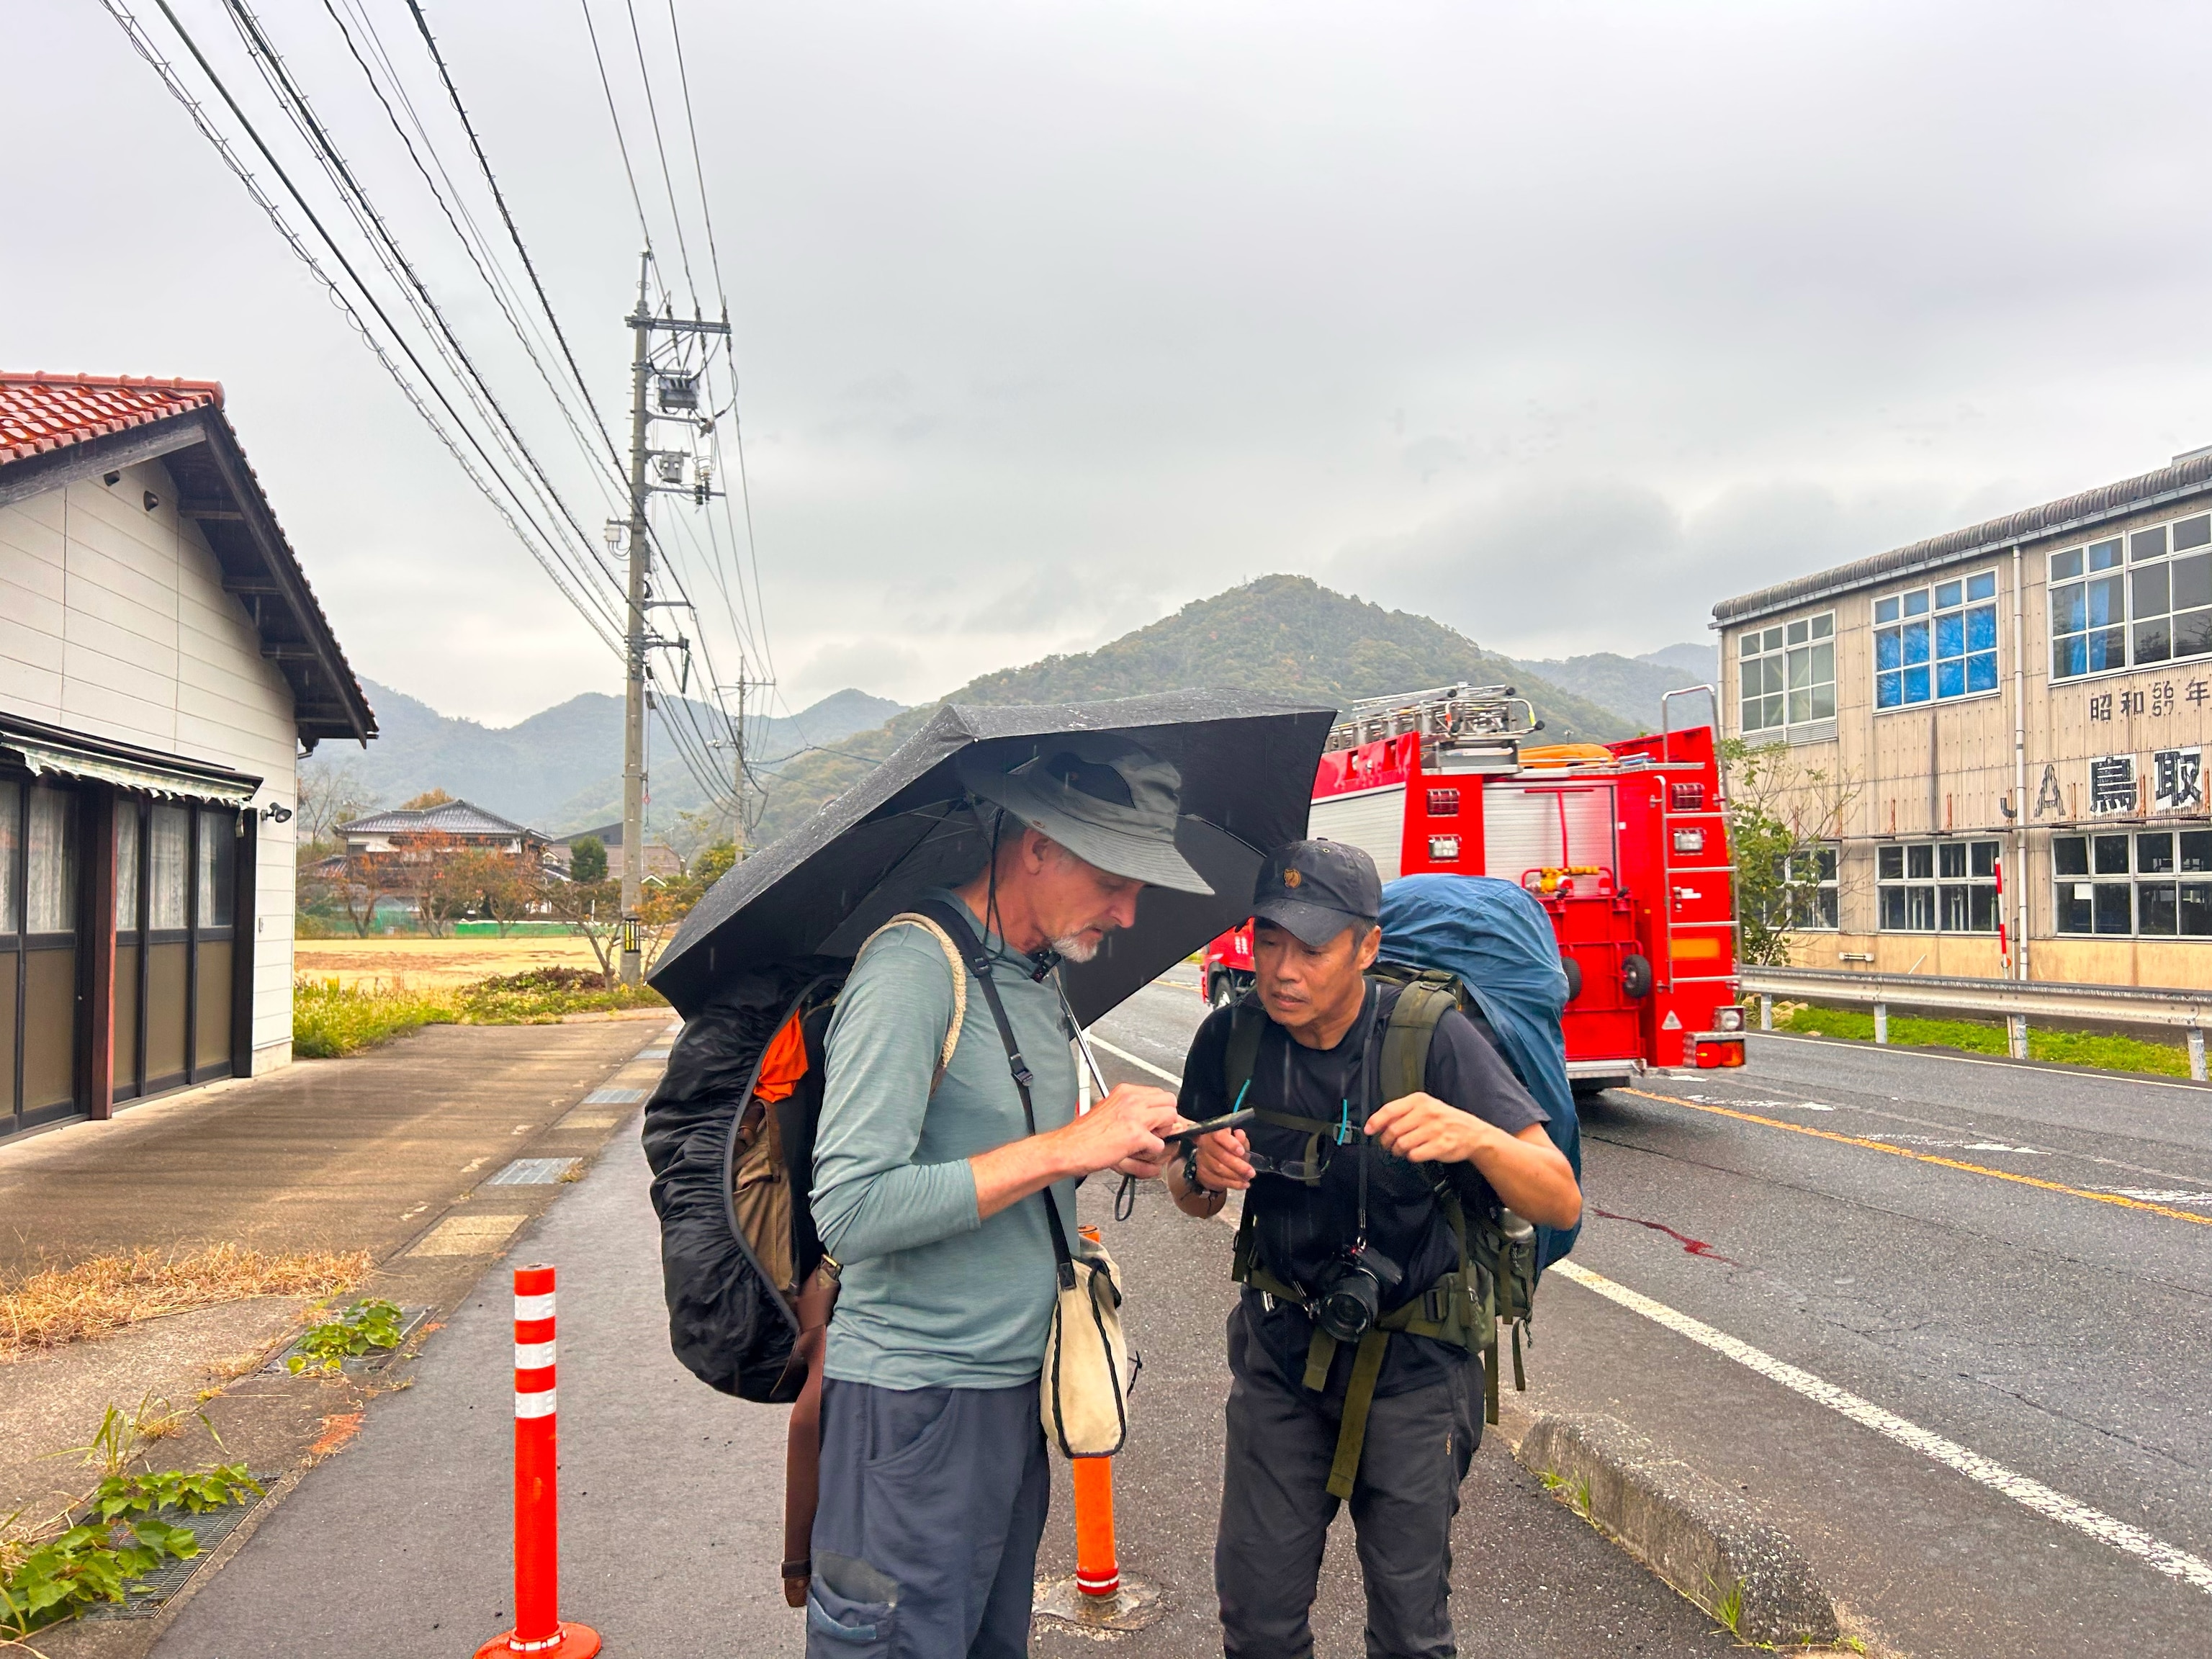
[{"x": 728, "y": 1323}]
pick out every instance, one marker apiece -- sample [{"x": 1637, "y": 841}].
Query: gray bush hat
[{"x": 1108, "y": 800}]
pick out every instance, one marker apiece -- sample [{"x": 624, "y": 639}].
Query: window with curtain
[
  {"x": 217, "y": 868},
  {"x": 168, "y": 848},
  {"x": 2159, "y": 611},
  {"x": 50, "y": 861},
  {"x": 126, "y": 865},
  {"x": 1936, "y": 642},
  {"x": 11, "y": 853}
]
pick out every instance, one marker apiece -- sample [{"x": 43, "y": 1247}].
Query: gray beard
[{"x": 1077, "y": 949}]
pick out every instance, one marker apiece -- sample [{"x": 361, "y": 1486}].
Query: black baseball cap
[{"x": 1318, "y": 889}]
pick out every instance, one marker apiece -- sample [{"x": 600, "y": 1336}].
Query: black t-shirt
[{"x": 1299, "y": 1227}]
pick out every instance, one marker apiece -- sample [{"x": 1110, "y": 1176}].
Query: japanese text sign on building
[
  {"x": 2177, "y": 779},
  {"x": 2112, "y": 784}
]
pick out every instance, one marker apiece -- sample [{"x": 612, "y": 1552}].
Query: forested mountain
[
  {"x": 1287, "y": 635},
  {"x": 1631, "y": 687}
]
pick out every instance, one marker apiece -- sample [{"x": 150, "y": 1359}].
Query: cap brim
[
  {"x": 1138, "y": 858},
  {"x": 1314, "y": 925}
]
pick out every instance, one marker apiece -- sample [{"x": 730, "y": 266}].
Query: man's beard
[{"x": 1077, "y": 947}]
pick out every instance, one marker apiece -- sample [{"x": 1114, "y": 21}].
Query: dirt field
[{"x": 433, "y": 962}]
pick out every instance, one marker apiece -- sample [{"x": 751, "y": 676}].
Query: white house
[{"x": 163, "y": 664}]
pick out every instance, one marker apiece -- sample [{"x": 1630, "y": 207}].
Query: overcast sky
[{"x": 1555, "y": 321}]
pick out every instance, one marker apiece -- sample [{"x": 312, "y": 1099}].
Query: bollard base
[
  {"x": 1134, "y": 1607},
  {"x": 577, "y": 1642}
]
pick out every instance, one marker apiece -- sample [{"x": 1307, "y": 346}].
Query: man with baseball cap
[
  {"x": 930, "y": 1192},
  {"x": 1353, "y": 1365}
]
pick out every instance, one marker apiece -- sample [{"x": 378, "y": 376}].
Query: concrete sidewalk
[{"x": 672, "y": 1495}]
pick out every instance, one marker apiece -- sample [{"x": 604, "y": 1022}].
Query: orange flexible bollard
[
  {"x": 1097, "y": 1572},
  {"x": 538, "y": 1629}
]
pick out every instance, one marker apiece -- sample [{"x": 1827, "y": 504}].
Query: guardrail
[{"x": 2019, "y": 1001}]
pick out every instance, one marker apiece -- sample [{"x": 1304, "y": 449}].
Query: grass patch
[
  {"x": 57, "y": 1306},
  {"x": 2111, "y": 1054},
  {"x": 331, "y": 1020}
]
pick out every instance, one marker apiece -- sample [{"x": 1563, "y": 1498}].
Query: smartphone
[{"x": 1235, "y": 1120}]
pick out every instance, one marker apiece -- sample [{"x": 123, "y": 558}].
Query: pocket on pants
[{"x": 852, "y": 1609}]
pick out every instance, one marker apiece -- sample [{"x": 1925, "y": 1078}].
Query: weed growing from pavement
[
  {"x": 370, "y": 1324},
  {"x": 2111, "y": 1054},
  {"x": 331, "y": 1020},
  {"x": 57, "y": 1306},
  {"x": 1728, "y": 1610}
]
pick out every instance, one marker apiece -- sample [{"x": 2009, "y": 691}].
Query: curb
[{"x": 1695, "y": 1534}]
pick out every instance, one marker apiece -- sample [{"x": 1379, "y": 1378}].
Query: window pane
[
  {"x": 1982, "y": 671},
  {"x": 2196, "y": 909},
  {"x": 2196, "y": 850},
  {"x": 2106, "y": 650},
  {"x": 2069, "y": 855},
  {"x": 2105, "y": 602},
  {"x": 2104, "y": 555},
  {"x": 1919, "y": 862},
  {"x": 1982, "y": 628},
  {"x": 1750, "y": 644},
  {"x": 2192, "y": 633},
  {"x": 1824, "y": 698},
  {"x": 1951, "y": 678},
  {"x": 1823, "y": 626},
  {"x": 11, "y": 853},
  {"x": 1889, "y": 691},
  {"x": 1824, "y": 663},
  {"x": 1916, "y": 603},
  {"x": 1983, "y": 917},
  {"x": 1893, "y": 909},
  {"x": 2148, "y": 543},
  {"x": 2112, "y": 907},
  {"x": 51, "y": 861},
  {"x": 2192, "y": 581},
  {"x": 1984, "y": 586},
  {"x": 1770, "y": 674},
  {"x": 166, "y": 871},
  {"x": 1826, "y": 907},
  {"x": 2154, "y": 641},
  {"x": 2155, "y": 907},
  {"x": 2112, "y": 855},
  {"x": 2063, "y": 565},
  {"x": 1773, "y": 639},
  {"x": 1888, "y": 649},
  {"x": 2073, "y": 906},
  {"x": 1774, "y": 711},
  {"x": 1915, "y": 685},
  {"x": 2149, "y": 583},
  {"x": 1755, "y": 713},
  {"x": 1954, "y": 909},
  {"x": 1986, "y": 859},
  {"x": 1915, "y": 643},
  {"x": 2070, "y": 613},
  {"x": 1951, "y": 635},
  {"x": 2192, "y": 532},
  {"x": 1950, "y": 596},
  {"x": 2155, "y": 854},
  {"x": 1801, "y": 668},
  {"x": 2069, "y": 657},
  {"x": 218, "y": 865},
  {"x": 1920, "y": 915},
  {"x": 1827, "y": 863},
  {"x": 126, "y": 865},
  {"x": 1952, "y": 860},
  {"x": 1889, "y": 863},
  {"x": 1800, "y": 707},
  {"x": 1798, "y": 632},
  {"x": 1885, "y": 610}
]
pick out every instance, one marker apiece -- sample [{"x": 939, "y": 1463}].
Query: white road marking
[
  {"x": 2190, "y": 1570},
  {"x": 1941, "y": 1145},
  {"x": 1097, "y": 1042},
  {"x": 1768, "y": 1105},
  {"x": 2047, "y": 1068},
  {"x": 2162, "y": 1195}
]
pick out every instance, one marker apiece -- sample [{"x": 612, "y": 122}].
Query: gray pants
[
  {"x": 926, "y": 1536},
  {"x": 1276, "y": 1510}
]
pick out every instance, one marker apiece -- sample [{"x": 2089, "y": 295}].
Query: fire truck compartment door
[
  {"x": 1372, "y": 819},
  {"x": 1522, "y": 825}
]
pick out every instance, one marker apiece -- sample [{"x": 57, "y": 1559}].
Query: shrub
[{"x": 329, "y": 1020}]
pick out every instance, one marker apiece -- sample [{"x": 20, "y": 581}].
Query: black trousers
[
  {"x": 926, "y": 1538},
  {"x": 1276, "y": 1509}
]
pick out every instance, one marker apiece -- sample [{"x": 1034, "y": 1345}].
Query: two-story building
[
  {"x": 163, "y": 662},
  {"x": 1993, "y": 740}
]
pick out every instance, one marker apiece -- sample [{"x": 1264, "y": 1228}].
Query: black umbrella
[{"x": 1248, "y": 768}]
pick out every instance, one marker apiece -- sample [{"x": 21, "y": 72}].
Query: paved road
[{"x": 2061, "y": 1337}]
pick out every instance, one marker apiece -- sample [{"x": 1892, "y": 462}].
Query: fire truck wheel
[
  {"x": 1635, "y": 975},
  {"x": 1225, "y": 990},
  {"x": 1574, "y": 977}
]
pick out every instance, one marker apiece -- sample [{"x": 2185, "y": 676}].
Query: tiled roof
[
  {"x": 455, "y": 817},
  {"x": 2189, "y": 475},
  {"x": 42, "y": 411}
]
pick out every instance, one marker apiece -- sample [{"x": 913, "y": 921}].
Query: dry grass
[
  {"x": 59, "y": 1305},
  {"x": 433, "y": 964}
]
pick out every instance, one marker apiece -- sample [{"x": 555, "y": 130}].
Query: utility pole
[
  {"x": 679, "y": 393},
  {"x": 640, "y": 555}
]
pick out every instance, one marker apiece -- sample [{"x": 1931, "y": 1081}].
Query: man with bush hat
[{"x": 1352, "y": 1348}]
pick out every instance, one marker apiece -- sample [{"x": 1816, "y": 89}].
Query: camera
[{"x": 1348, "y": 1297}]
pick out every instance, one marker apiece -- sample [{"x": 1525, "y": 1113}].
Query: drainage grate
[
  {"x": 614, "y": 1097},
  {"x": 533, "y": 1172},
  {"x": 142, "y": 1597},
  {"x": 411, "y": 1320}
]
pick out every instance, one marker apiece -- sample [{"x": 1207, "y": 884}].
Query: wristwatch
[{"x": 1190, "y": 1180}]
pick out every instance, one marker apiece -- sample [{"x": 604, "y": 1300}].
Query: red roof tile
[{"x": 43, "y": 411}]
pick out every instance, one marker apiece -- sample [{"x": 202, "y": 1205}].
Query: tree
[
  {"x": 426, "y": 801},
  {"x": 588, "y": 860},
  {"x": 362, "y": 880},
  {"x": 1779, "y": 812},
  {"x": 593, "y": 910}
]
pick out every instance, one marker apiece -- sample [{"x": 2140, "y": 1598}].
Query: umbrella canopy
[{"x": 1248, "y": 768}]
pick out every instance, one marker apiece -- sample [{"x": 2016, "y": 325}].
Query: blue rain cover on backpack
[{"x": 1499, "y": 942}]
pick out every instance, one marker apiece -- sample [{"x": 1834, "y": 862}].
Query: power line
[
  {"x": 615, "y": 117},
  {"x": 667, "y": 178},
  {"x": 698, "y": 171}
]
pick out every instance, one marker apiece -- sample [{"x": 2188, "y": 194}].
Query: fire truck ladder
[
  {"x": 1442, "y": 713},
  {"x": 1706, "y": 816}
]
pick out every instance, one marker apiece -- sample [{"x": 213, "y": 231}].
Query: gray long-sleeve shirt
[{"x": 933, "y": 1298}]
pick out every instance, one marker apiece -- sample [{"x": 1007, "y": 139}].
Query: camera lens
[{"x": 1349, "y": 1301}]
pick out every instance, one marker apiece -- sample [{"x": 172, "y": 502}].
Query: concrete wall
[
  {"x": 1947, "y": 769},
  {"x": 113, "y": 621}
]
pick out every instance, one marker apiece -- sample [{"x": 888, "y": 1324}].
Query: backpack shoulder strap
[
  {"x": 1247, "y": 1025},
  {"x": 916, "y": 919},
  {"x": 1411, "y": 1028}
]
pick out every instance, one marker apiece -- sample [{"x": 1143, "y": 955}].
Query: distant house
[
  {"x": 423, "y": 835},
  {"x": 162, "y": 662},
  {"x": 661, "y": 862}
]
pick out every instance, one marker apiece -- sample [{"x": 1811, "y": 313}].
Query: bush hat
[{"x": 1106, "y": 798}]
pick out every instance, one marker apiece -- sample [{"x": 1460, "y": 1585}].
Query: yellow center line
[{"x": 1929, "y": 1157}]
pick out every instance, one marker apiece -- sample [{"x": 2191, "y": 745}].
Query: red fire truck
[{"x": 1623, "y": 845}]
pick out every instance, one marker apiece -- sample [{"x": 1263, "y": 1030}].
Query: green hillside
[
  {"x": 1631, "y": 687},
  {"x": 1287, "y": 635}
]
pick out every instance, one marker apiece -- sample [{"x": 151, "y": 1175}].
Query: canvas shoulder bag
[{"x": 1084, "y": 1392}]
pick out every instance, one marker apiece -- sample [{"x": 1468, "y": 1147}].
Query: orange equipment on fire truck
[{"x": 1624, "y": 844}]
